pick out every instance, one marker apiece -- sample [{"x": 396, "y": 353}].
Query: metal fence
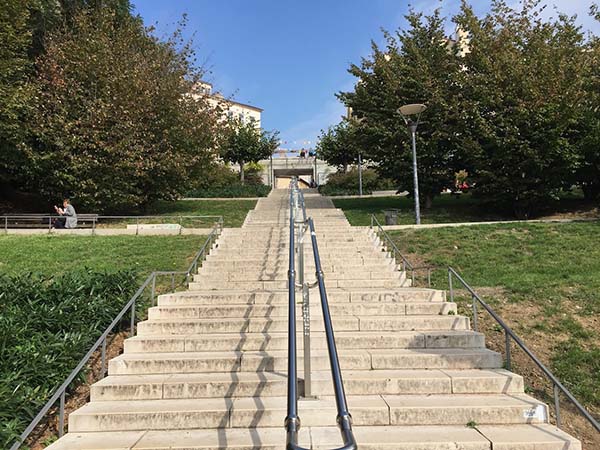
[
  {"x": 405, "y": 265},
  {"x": 97, "y": 223},
  {"x": 148, "y": 286},
  {"x": 509, "y": 337}
]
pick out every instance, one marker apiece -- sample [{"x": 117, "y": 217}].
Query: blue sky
[{"x": 291, "y": 57}]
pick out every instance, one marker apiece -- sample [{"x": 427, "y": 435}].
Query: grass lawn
[
  {"x": 544, "y": 279},
  {"x": 445, "y": 209},
  {"x": 233, "y": 211},
  {"x": 56, "y": 254}
]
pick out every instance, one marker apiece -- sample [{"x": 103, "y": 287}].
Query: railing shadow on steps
[
  {"x": 130, "y": 307},
  {"x": 509, "y": 334},
  {"x": 292, "y": 420}
]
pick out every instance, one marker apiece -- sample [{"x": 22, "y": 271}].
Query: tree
[
  {"x": 15, "y": 94},
  {"x": 338, "y": 145},
  {"x": 245, "y": 142},
  {"x": 523, "y": 84},
  {"x": 417, "y": 66},
  {"x": 116, "y": 126},
  {"x": 587, "y": 174}
]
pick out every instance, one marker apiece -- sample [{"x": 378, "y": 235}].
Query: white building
[{"x": 230, "y": 108}]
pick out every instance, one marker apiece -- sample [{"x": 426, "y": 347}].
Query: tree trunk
[
  {"x": 242, "y": 171},
  {"x": 590, "y": 191},
  {"x": 428, "y": 201}
]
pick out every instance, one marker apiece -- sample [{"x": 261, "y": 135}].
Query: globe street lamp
[{"x": 411, "y": 115}]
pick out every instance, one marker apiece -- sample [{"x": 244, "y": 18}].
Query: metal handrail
[
  {"x": 292, "y": 420},
  {"x": 60, "y": 393},
  {"x": 509, "y": 334},
  {"x": 395, "y": 251}
]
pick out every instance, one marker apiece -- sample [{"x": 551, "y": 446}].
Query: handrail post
[
  {"x": 557, "y": 405},
  {"x": 153, "y": 291},
  {"x": 305, "y": 315},
  {"x": 132, "y": 321},
  {"x": 103, "y": 359},
  {"x": 475, "y": 319},
  {"x": 450, "y": 287},
  {"x": 507, "y": 344},
  {"x": 61, "y": 415}
]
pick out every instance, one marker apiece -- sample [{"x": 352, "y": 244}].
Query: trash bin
[{"x": 391, "y": 216}]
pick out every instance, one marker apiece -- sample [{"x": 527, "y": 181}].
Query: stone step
[
  {"x": 264, "y": 325},
  {"x": 253, "y": 412},
  {"x": 279, "y": 341},
  {"x": 282, "y": 284},
  {"x": 272, "y": 384},
  {"x": 256, "y": 266},
  {"x": 231, "y": 297},
  {"x": 445, "y": 437},
  {"x": 282, "y": 310},
  {"x": 251, "y": 361},
  {"x": 267, "y": 258},
  {"x": 226, "y": 275},
  {"x": 441, "y": 437}
]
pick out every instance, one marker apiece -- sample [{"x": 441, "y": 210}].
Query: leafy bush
[
  {"x": 347, "y": 183},
  {"x": 233, "y": 191},
  {"x": 47, "y": 324},
  {"x": 222, "y": 181}
]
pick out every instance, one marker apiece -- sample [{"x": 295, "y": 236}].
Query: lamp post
[{"x": 411, "y": 115}]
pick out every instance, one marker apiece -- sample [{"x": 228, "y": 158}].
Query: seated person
[{"x": 68, "y": 215}]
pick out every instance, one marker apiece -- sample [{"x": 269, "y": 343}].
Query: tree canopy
[
  {"x": 99, "y": 108},
  {"x": 245, "y": 142},
  {"x": 512, "y": 98}
]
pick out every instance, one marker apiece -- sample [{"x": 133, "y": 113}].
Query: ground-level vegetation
[
  {"x": 52, "y": 255},
  {"x": 233, "y": 211},
  {"x": 457, "y": 208},
  {"x": 543, "y": 279},
  {"x": 57, "y": 296}
]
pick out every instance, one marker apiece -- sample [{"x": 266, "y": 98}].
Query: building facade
[{"x": 230, "y": 109}]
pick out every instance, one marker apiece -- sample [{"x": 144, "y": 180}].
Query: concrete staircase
[{"x": 207, "y": 370}]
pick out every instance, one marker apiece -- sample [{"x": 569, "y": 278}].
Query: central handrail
[{"x": 292, "y": 420}]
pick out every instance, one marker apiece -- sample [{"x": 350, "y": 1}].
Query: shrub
[
  {"x": 232, "y": 191},
  {"x": 47, "y": 324},
  {"x": 222, "y": 181},
  {"x": 347, "y": 183}
]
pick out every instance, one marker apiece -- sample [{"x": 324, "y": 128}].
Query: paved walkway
[{"x": 107, "y": 232}]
